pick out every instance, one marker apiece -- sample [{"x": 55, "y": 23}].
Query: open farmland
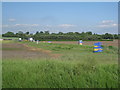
[
  {"x": 59, "y": 45},
  {"x": 105, "y": 43},
  {"x": 57, "y": 65},
  {"x": 15, "y": 50}
]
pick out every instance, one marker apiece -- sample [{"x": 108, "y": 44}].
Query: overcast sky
[{"x": 98, "y": 17}]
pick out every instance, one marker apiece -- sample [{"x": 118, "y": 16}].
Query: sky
[{"x": 98, "y": 17}]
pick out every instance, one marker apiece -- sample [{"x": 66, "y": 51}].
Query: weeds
[
  {"x": 57, "y": 74},
  {"x": 78, "y": 67}
]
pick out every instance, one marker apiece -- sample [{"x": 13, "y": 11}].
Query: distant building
[
  {"x": 31, "y": 39},
  {"x": 20, "y": 39}
]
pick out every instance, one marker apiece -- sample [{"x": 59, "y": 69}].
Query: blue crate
[{"x": 97, "y": 47}]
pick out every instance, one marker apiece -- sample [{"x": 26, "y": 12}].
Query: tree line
[{"x": 60, "y": 36}]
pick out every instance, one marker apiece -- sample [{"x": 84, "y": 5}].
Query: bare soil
[
  {"x": 105, "y": 43},
  {"x": 15, "y": 50}
]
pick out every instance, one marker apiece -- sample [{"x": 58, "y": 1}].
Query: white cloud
[
  {"x": 49, "y": 25},
  {"x": 115, "y": 24},
  {"x": 107, "y": 24},
  {"x": 35, "y": 25},
  {"x": 107, "y": 21},
  {"x": 100, "y": 28},
  {"x": 25, "y": 25},
  {"x": 11, "y": 19},
  {"x": 17, "y": 25},
  {"x": 66, "y": 25}
]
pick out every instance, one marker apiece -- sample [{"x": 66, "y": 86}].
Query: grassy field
[
  {"x": 9, "y": 38},
  {"x": 74, "y": 67}
]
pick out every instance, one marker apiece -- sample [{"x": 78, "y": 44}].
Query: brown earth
[
  {"x": 105, "y": 43},
  {"x": 15, "y": 50},
  {"x": 42, "y": 50}
]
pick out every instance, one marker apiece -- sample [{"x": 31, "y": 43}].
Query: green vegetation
[
  {"x": 71, "y": 48},
  {"x": 77, "y": 67},
  {"x": 70, "y": 36},
  {"x": 7, "y": 41},
  {"x": 58, "y": 74},
  {"x": 13, "y": 38}
]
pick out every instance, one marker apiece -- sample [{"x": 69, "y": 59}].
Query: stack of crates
[
  {"x": 49, "y": 41},
  {"x": 98, "y": 47},
  {"x": 80, "y": 42}
]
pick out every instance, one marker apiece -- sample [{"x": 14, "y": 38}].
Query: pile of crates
[
  {"x": 80, "y": 42},
  {"x": 98, "y": 47}
]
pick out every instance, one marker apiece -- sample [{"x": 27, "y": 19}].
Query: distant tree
[
  {"x": 118, "y": 36},
  {"x": 108, "y": 36},
  {"x": 46, "y": 32},
  {"x": 31, "y": 34},
  {"x": 20, "y": 32},
  {"x": 8, "y": 34},
  {"x": 37, "y": 32},
  {"x": 89, "y": 33},
  {"x": 60, "y": 33},
  {"x": 41, "y": 32},
  {"x": 16, "y": 34},
  {"x": 82, "y": 33},
  {"x": 70, "y": 33},
  {"x": 53, "y": 33},
  {"x": 115, "y": 36},
  {"x": 62, "y": 36},
  {"x": 27, "y": 33},
  {"x": 77, "y": 33}
]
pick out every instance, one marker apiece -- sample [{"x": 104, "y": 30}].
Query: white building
[
  {"x": 31, "y": 39},
  {"x": 20, "y": 39}
]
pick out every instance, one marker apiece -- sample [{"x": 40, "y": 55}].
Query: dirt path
[
  {"x": 105, "y": 43},
  {"x": 15, "y": 50}
]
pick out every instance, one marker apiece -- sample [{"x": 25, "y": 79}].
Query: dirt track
[
  {"x": 15, "y": 50},
  {"x": 106, "y": 43}
]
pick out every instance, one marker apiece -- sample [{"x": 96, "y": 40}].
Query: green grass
[
  {"x": 7, "y": 41},
  {"x": 69, "y": 47},
  {"x": 10, "y": 38},
  {"x": 78, "y": 67},
  {"x": 79, "y": 53},
  {"x": 58, "y": 74}
]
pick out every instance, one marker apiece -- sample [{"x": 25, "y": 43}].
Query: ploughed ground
[
  {"x": 105, "y": 43},
  {"x": 16, "y": 50}
]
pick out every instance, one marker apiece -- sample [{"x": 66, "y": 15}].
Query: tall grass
[
  {"x": 77, "y": 67},
  {"x": 58, "y": 74},
  {"x": 79, "y": 53}
]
